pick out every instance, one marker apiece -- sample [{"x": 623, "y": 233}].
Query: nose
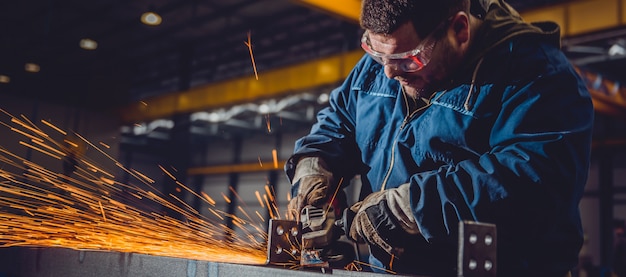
[{"x": 392, "y": 71}]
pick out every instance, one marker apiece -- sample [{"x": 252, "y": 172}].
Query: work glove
[
  {"x": 384, "y": 219},
  {"x": 312, "y": 181}
]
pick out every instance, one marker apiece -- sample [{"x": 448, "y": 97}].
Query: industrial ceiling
[{"x": 198, "y": 43}]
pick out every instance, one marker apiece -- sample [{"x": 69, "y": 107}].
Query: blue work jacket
[{"x": 513, "y": 150}]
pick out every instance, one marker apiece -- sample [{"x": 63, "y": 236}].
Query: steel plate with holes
[
  {"x": 283, "y": 245},
  {"x": 477, "y": 249}
]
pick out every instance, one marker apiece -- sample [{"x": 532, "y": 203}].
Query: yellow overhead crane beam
[
  {"x": 574, "y": 17},
  {"x": 348, "y": 10},
  {"x": 271, "y": 84},
  {"x": 581, "y": 16}
]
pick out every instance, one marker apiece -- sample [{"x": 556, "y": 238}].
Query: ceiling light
[
  {"x": 5, "y": 79},
  {"x": 88, "y": 44},
  {"x": 323, "y": 98},
  {"x": 214, "y": 117},
  {"x": 151, "y": 18},
  {"x": 32, "y": 67},
  {"x": 264, "y": 108},
  {"x": 617, "y": 50}
]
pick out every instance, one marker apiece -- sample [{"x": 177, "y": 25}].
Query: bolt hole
[
  {"x": 280, "y": 230},
  {"x": 488, "y": 239},
  {"x": 472, "y": 264},
  {"x": 294, "y": 231},
  {"x": 488, "y": 265},
  {"x": 473, "y": 238}
]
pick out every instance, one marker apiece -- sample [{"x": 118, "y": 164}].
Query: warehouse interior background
[{"x": 220, "y": 90}]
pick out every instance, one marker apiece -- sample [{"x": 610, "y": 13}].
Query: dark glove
[
  {"x": 312, "y": 181},
  {"x": 385, "y": 219}
]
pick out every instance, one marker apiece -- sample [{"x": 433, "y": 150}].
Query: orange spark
[
  {"x": 167, "y": 172},
  {"x": 48, "y": 147},
  {"x": 216, "y": 214},
  {"x": 95, "y": 168},
  {"x": 142, "y": 176},
  {"x": 71, "y": 143},
  {"x": 269, "y": 193},
  {"x": 275, "y": 157},
  {"x": 260, "y": 216},
  {"x": 249, "y": 44},
  {"x": 208, "y": 198},
  {"x": 105, "y": 145},
  {"x": 29, "y": 128},
  {"x": 353, "y": 266},
  {"x": 53, "y": 127},
  {"x": 43, "y": 208},
  {"x": 357, "y": 263},
  {"x": 40, "y": 150},
  {"x": 25, "y": 134},
  {"x": 244, "y": 212},
  {"x": 258, "y": 197},
  {"x": 226, "y": 198},
  {"x": 334, "y": 195},
  {"x": 102, "y": 210},
  {"x": 269, "y": 207}
]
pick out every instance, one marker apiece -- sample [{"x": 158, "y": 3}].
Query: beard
[{"x": 425, "y": 82}]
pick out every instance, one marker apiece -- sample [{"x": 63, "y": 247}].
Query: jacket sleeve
[{"x": 332, "y": 136}]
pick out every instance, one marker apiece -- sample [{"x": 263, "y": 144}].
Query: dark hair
[{"x": 385, "y": 16}]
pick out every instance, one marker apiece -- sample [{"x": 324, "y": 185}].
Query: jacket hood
[{"x": 502, "y": 23}]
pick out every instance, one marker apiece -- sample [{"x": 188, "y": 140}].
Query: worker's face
[{"x": 434, "y": 57}]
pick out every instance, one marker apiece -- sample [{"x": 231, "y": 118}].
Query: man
[{"x": 457, "y": 111}]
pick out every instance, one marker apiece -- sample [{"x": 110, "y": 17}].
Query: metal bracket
[
  {"x": 283, "y": 245},
  {"x": 477, "y": 249}
]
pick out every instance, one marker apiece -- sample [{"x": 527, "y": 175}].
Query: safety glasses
[{"x": 409, "y": 61}]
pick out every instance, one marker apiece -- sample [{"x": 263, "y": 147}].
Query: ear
[{"x": 460, "y": 26}]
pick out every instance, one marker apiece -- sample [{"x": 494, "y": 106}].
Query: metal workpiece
[
  {"x": 477, "y": 258},
  {"x": 283, "y": 247},
  {"x": 55, "y": 262},
  {"x": 477, "y": 253}
]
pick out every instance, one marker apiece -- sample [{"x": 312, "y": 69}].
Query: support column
[
  {"x": 233, "y": 182},
  {"x": 606, "y": 191},
  {"x": 177, "y": 155},
  {"x": 178, "y": 152},
  {"x": 197, "y": 182}
]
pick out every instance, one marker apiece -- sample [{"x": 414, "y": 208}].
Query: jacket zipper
[
  {"x": 395, "y": 140},
  {"x": 393, "y": 151},
  {"x": 410, "y": 116}
]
